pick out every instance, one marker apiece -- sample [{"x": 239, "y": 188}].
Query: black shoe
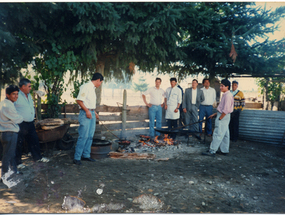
[
  {"x": 221, "y": 153},
  {"x": 88, "y": 159},
  {"x": 209, "y": 154},
  {"x": 77, "y": 162}
]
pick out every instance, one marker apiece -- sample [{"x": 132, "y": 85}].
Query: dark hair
[
  {"x": 173, "y": 79},
  {"x": 195, "y": 80},
  {"x": 11, "y": 89},
  {"x": 158, "y": 79},
  {"x": 97, "y": 76},
  {"x": 235, "y": 82},
  {"x": 206, "y": 79},
  {"x": 24, "y": 81},
  {"x": 226, "y": 82}
]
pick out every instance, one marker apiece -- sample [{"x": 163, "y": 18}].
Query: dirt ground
[{"x": 250, "y": 179}]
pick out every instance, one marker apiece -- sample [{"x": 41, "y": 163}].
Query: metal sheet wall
[{"x": 262, "y": 126}]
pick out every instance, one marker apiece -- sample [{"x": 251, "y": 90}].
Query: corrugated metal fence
[{"x": 262, "y": 126}]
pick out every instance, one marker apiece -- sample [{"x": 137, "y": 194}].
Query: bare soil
[{"x": 250, "y": 179}]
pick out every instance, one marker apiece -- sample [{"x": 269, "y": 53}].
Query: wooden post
[
  {"x": 39, "y": 107},
  {"x": 124, "y": 115}
]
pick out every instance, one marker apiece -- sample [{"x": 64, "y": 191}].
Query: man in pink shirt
[{"x": 221, "y": 136}]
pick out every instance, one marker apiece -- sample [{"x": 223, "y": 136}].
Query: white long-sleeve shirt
[
  {"x": 174, "y": 96},
  {"x": 210, "y": 96},
  {"x": 9, "y": 117}
]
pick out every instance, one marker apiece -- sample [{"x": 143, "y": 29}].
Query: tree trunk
[{"x": 100, "y": 65}]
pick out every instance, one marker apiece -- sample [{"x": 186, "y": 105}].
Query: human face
[
  {"x": 97, "y": 83},
  {"x": 223, "y": 88},
  {"x": 234, "y": 86},
  {"x": 26, "y": 88},
  {"x": 157, "y": 83},
  {"x": 173, "y": 83},
  {"x": 194, "y": 84},
  {"x": 206, "y": 84},
  {"x": 13, "y": 96}
]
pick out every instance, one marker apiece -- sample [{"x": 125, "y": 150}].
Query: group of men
[
  {"x": 196, "y": 104},
  {"x": 17, "y": 115},
  {"x": 17, "y": 125}
]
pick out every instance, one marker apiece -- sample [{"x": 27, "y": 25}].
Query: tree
[
  {"x": 272, "y": 88},
  {"x": 18, "y": 45},
  {"x": 221, "y": 26}
]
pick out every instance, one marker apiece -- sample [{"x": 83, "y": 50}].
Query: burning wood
[{"x": 157, "y": 141}]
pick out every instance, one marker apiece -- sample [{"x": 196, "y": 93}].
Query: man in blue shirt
[{"x": 25, "y": 107}]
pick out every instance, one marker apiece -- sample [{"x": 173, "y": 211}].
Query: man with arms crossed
[
  {"x": 155, "y": 106},
  {"x": 86, "y": 99},
  {"x": 221, "y": 136},
  {"x": 206, "y": 106}
]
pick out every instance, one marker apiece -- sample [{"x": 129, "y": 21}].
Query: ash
[{"x": 143, "y": 144}]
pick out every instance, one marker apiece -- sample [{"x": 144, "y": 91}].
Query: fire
[{"x": 166, "y": 139}]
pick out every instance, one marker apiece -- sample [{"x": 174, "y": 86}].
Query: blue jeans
[
  {"x": 154, "y": 112},
  {"x": 86, "y": 132},
  {"x": 9, "y": 142},
  {"x": 206, "y": 110}
]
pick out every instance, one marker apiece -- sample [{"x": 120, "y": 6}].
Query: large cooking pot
[{"x": 100, "y": 148}]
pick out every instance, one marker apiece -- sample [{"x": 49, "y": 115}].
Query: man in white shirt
[
  {"x": 86, "y": 99},
  {"x": 25, "y": 107},
  {"x": 155, "y": 106},
  {"x": 191, "y": 102},
  {"x": 9, "y": 128},
  {"x": 172, "y": 101},
  {"x": 206, "y": 107}
]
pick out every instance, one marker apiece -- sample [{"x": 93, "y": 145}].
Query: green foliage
[
  {"x": 51, "y": 68},
  {"x": 141, "y": 85},
  {"x": 76, "y": 87},
  {"x": 273, "y": 87},
  {"x": 215, "y": 26}
]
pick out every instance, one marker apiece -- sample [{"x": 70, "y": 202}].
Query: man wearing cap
[
  {"x": 86, "y": 100},
  {"x": 239, "y": 103},
  {"x": 221, "y": 136},
  {"x": 25, "y": 107},
  {"x": 155, "y": 106},
  {"x": 9, "y": 128},
  {"x": 206, "y": 106}
]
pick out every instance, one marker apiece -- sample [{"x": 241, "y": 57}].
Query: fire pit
[{"x": 100, "y": 149}]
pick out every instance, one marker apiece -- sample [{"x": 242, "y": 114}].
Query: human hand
[
  {"x": 162, "y": 105},
  {"x": 97, "y": 116},
  {"x": 165, "y": 107},
  {"x": 176, "y": 110},
  {"x": 184, "y": 110},
  {"x": 88, "y": 114},
  {"x": 149, "y": 105}
]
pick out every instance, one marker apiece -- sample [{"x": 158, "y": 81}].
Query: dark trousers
[
  {"x": 205, "y": 110},
  {"x": 9, "y": 143},
  {"x": 28, "y": 132},
  {"x": 234, "y": 125},
  {"x": 172, "y": 123}
]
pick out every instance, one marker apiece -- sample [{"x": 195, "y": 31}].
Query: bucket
[{"x": 100, "y": 149}]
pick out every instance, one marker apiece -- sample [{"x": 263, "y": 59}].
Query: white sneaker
[
  {"x": 44, "y": 160},
  {"x": 21, "y": 166}
]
